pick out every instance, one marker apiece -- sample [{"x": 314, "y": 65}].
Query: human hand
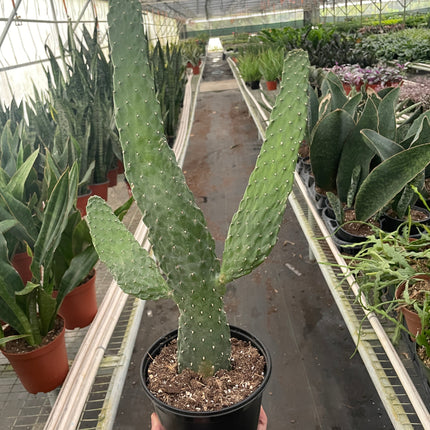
[
  {"x": 262, "y": 421},
  {"x": 155, "y": 422}
]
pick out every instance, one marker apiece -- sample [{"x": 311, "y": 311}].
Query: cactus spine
[{"x": 186, "y": 267}]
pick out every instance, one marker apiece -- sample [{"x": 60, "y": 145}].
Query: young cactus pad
[{"x": 186, "y": 267}]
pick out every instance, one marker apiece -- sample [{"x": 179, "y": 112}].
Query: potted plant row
[
  {"x": 376, "y": 77},
  {"x": 29, "y": 310},
  {"x": 38, "y": 216},
  {"x": 186, "y": 268},
  {"x": 193, "y": 53},
  {"x": 169, "y": 80},
  {"x": 271, "y": 61},
  {"x": 80, "y": 98},
  {"x": 357, "y": 148},
  {"x": 249, "y": 68}
]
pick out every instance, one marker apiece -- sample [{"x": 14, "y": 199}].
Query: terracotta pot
[
  {"x": 43, "y": 369},
  {"x": 120, "y": 167},
  {"x": 412, "y": 319},
  {"x": 347, "y": 88},
  {"x": 81, "y": 203},
  {"x": 374, "y": 87},
  {"x": 100, "y": 189},
  {"x": 271, "y": 85},
  {"x": 112, "y": 176},
  {"x": 79, "y": 307},
  {"x": 21, "y": 262},
  {"x": 196, "y": 70},
  {"x": 130, "y": 193}
]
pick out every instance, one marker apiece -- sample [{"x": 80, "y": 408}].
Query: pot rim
[
  {"x": 235, "y": 331},
  {"x": 41, "y": 349}
]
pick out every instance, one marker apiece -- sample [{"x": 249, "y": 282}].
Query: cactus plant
[{"x": 186, "y": 267}]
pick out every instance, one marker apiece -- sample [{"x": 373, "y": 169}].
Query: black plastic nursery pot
[
  {"x": 241, "y": 416},
  {"x": 390, "y": 223}
]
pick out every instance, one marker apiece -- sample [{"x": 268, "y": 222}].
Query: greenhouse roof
[{"x": 216, "y": 9}]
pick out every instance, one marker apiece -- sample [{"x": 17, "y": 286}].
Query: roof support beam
[
  {"x": 207, "y": 9},
  {"x": 9, "y": 22}
]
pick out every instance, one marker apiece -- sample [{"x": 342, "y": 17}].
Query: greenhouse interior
[{"x": 200, "y": 216}]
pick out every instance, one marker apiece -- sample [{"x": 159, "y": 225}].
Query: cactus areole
[{"x": 186, "y": 267}]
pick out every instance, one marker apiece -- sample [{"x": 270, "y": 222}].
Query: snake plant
[
  {"x": 169, "y": 79},
  {"x": 30, "y": 309},
  {"x": 186, "y": 268},
  {"x": 358, "y": 149},
  {"x": 392, "y": 182}
]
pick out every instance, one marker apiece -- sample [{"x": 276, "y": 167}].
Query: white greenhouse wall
[
  {"x": 161, "y": 27},
  {"x": 38, "y": 23},
  {"x": 22, "y": 52}
]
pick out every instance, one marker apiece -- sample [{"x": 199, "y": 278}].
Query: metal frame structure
[{"x": 89, "y": 397}]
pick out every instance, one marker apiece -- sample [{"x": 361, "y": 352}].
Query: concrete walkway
[{"x": 315, "y": 383}]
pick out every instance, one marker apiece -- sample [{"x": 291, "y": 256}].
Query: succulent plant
[
  {"x": 341, "y": 155},
  {"x": 185, "y": 267}
]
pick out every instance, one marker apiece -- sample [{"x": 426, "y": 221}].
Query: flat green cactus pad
[
  {"x": 254, "y": 229},
  {"x": 131, "y": 265},
  {"x": 178, "y": 233}
]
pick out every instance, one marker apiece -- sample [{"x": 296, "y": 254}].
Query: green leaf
[
  {"x": 328, "y": 139},
  {"x": 423, "y": 134},
  {"x": 55, "y": 220},
  {"x": 5, "y": 340},
  {"x": 10, "y": 284},
  {"x": 387, "y": 114},
  {"x": 384, "y": 147},
  {"x": 17, "y": 181},
  {"x": 79, "y": 268},
  {"x": 7, "y": 224},
  {"x": 356, "y": 152},
  {"x": 19, "y": 212},
  {"x": 29, "y": 288},
  {"x": 387, "y": 179},
  {"x": 352, "y": 103},
  {"x": 47, "y": 307}
]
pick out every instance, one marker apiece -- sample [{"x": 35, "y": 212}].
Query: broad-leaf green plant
[
  {"x": 402, "y": 167},
  {"x": 30, "y": 309},
  {"x": 356, "y": 137}
]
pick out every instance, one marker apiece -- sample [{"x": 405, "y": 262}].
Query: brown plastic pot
[
  {"x": 112, "y": 176},
  {"x": 81, "y": 203},
  {"x": 43, "y": 369},
  {"x": 412, "y": 319},
  {"x": 79, "y": 307},
  {"x": 100, "y": 189},
  {"x": 21, "y": 263},
  {"x": 271, "y": 85},
  {"x": 120, "y": 167}
]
